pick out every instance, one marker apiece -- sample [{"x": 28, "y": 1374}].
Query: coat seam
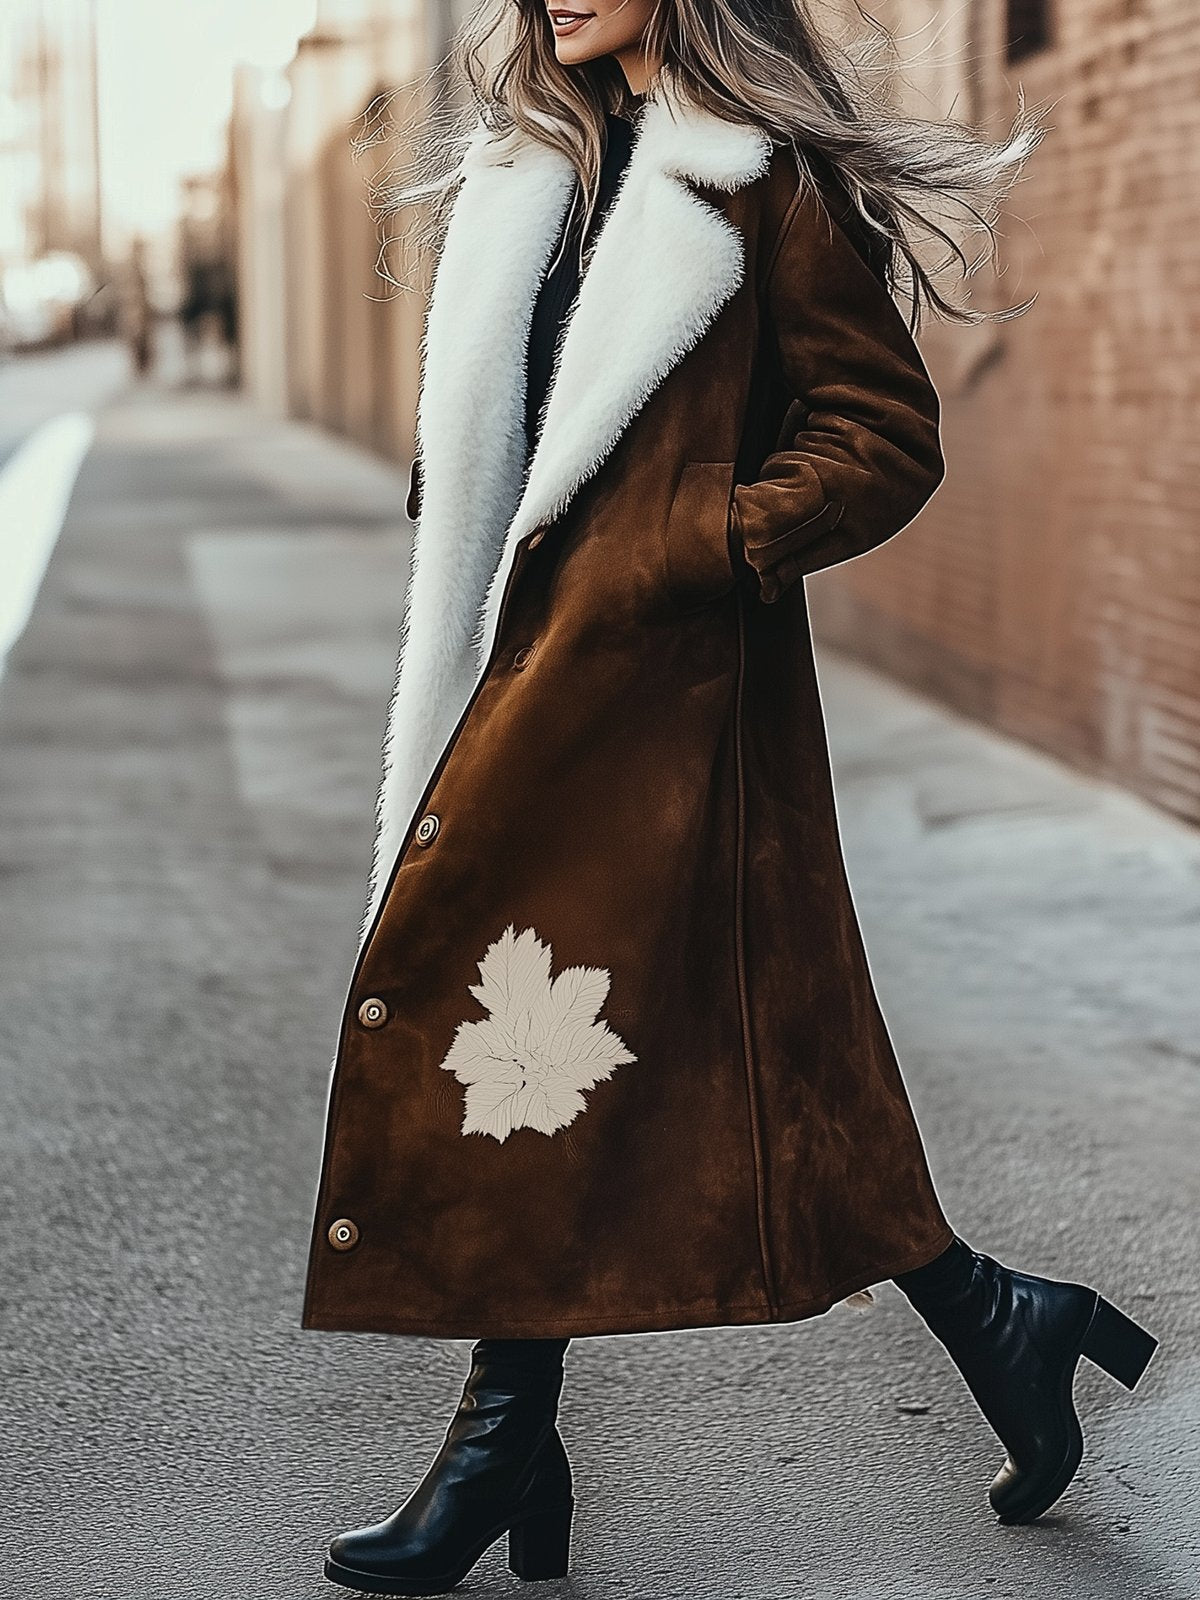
[
  {"x": 795, "y": 205},
  {"x": 748, "y": 1062},
  {"x": 789, "y": 216}
]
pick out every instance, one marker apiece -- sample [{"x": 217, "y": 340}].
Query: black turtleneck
[{"x": 559, "y": 287}]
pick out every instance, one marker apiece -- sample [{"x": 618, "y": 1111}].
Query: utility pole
[
  {"x": 93, "y": 78},
  {"x": 47, "y": 165}
]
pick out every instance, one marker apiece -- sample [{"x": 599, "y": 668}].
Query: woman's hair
[{"x": 912, "y": 182}]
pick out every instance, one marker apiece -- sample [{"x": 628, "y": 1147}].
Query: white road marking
[{"x": 35, "y": 490}]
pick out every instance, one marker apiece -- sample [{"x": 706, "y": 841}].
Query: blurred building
[
  {"x": 51, "y": 255},
  {"x": 325, "y": 336},
  {"x": 49, "y": 149},
  {"x": 1052, "y": 586}
]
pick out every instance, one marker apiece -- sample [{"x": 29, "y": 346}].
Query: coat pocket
[{"x": 698, "y": 559}]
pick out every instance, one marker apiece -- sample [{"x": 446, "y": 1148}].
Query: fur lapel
[{"x": 665, "y": 263}]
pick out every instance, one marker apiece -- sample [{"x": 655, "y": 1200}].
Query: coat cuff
[{"x": 781, "y": 558}]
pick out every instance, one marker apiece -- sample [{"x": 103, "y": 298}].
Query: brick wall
[{"x": 1052, "y": 586}]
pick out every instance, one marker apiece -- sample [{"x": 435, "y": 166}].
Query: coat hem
[{"x": 696, "y": 1314}]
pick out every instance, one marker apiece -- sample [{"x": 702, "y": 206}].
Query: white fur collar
[{"x": 664, "y": 264}]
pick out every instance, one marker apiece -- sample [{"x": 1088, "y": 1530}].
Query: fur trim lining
[{"x": 664, "y": 264}]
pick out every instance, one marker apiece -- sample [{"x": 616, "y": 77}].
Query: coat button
[
  {"x": 343, "y": 1234},
  {"x": 372, "y": 1013},
  {"x": 522, "y": 657},
  {"x": 536, "y": 537},
  {"x": 427, "y": 829}
]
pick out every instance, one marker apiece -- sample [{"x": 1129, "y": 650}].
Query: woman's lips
[{"x": 568, "y": 22}]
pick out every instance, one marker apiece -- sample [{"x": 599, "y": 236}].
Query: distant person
[
  {"x": 209, "y": 307},
  {"x": 135, "y": 314},
  {"x": 225, "y": 309}
]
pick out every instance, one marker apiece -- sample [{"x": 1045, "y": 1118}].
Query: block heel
[
  {"x": 1117, "y": 1344},
  {"x": 1017, "y": 1340},
  {"x": 502, "y": 1469},
  {"x": 539, "y": 1546}
]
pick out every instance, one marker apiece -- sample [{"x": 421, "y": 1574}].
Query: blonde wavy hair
[{"x": 914, "y": 183}]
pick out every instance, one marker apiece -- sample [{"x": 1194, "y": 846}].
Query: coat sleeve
[{"x": 859, "y": 453}]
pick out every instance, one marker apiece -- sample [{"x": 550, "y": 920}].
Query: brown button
[
  {"x": 536, "y": 537},
  {"x": 427, "y": 829},
  {"x": 521, "y": 659},
  {"x": 343, "y": 1234},
  {"x": 372, "y": 1013}
]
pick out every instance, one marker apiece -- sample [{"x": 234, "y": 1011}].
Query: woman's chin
[{"x": 570, "y": 54}]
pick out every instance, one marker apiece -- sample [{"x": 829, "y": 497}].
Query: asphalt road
[{"x": 189, "y": 732}]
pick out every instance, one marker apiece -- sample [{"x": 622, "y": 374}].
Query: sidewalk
[{"x": 189, "y": 736}]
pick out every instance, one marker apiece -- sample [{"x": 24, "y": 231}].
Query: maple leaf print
[{"x": 527, "y": 1064}]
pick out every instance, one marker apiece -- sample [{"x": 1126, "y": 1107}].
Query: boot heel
[
  {"x": 540, "y": 1546},
  {"x": 1117, "y": 1344}
]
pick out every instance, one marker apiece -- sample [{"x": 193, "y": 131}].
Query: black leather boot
[
  {"x": 1017, "y": 1339},
  {"x": 502, "y": 1468}
]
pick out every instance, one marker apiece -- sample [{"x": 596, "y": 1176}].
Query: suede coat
[{"x": 611, "y": 1059}]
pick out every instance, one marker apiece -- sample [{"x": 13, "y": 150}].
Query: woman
[{"x": 611, "y": 1059}]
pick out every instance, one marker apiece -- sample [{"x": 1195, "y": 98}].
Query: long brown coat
[{"x": 611, "y": 1059}]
